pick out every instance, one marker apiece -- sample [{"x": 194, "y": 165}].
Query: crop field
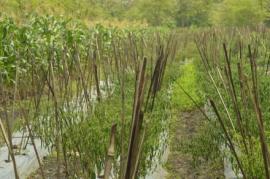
[{"x": 108, "y": 92}]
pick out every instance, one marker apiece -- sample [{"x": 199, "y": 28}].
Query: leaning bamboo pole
[
  {"x": 136, "y": 127},
  {"x": 10, "y": 149}
]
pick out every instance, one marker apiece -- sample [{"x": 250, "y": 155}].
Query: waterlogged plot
[{"x": 96, "y": 98}]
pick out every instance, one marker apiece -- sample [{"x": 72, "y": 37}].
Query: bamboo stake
[
  {"x": 10, "y": 149},
  {"x": 136, "y": 125},
  {"x": 110, "y": 153},
  {"x": 231, "y": 145},
  {"x": 255, "y": 100}
]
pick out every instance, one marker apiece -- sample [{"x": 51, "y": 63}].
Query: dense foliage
[{"x": 183, "y": 13}]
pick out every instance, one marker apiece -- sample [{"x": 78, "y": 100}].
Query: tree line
[{"x": 172, "y": 13}]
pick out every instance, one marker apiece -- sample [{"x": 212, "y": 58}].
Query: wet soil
[
  {"x": 181, "y": 165},
  {"x": 50, "y": 169}
]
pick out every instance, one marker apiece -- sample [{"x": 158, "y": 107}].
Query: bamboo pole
[{"x": 110, "y": 153}]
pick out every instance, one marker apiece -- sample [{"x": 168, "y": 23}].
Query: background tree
[
  {"x": 155, "y": 12},
  {"x": 193, "y": 12},
  {"x": 238, "y": 13},
  {"x": 181, "y": 13}
]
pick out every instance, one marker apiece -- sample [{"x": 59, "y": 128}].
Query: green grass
[{"x": 189, "y": 82}]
